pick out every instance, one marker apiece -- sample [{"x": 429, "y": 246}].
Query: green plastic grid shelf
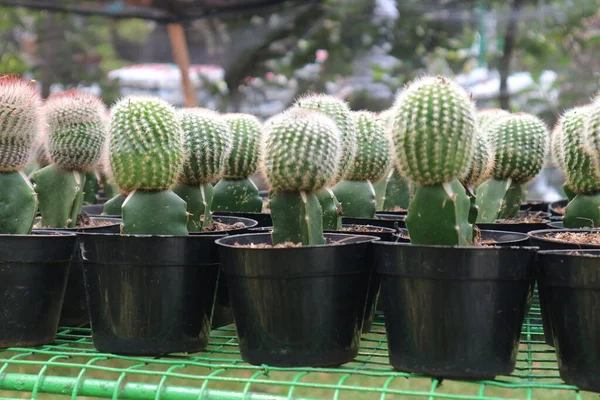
[{"x": 71, "y": 368}]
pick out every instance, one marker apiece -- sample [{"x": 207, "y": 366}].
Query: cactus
[
  {"x": 300, "y": 152},
  {"x": 20, "y": 121},
  {"x": 76, "y": 133},
  {"x": 372, "y": 161},
  {"x": 339, "y": 112},
  {"x": 236, "y": 192},
  {"x": 574, "y": 150},
  {"x": 520, "y": 143},
  {"x": 146, "y": 153},
  {"x": 433, "y": 133},
  {"x": 207, "y": 143}
]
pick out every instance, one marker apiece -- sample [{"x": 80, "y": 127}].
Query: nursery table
[{"x": 71, "y": 368}]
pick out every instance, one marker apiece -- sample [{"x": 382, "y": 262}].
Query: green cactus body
[
  {"x": 90, "y": 189},
  {"x": 20, "y": 122},
  {"x": 434, "y": 130},
  {"x": 520, "y": 143},
  {"x": 579, "y": 157},
  {"x": 75, "y": 138},
  {"x": 236, "y": 192},
  {"x": 340, "y": 113},
  {"x": 393, "y": 192},
  {"x": 146, "y": 154},
  {"x": 114, "y": 205},
  {"x": 372, "y": 160},
  {"x": 487, "y": 117},
  {"x": 301, "y": 150},
  {"x": 208, "y": 143}
]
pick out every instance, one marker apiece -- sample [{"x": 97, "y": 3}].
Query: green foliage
[{"x": 145, "y": 145}]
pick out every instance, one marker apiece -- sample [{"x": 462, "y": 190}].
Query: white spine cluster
[{"x": 246, "y": 131}]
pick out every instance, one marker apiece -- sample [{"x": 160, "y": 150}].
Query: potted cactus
[
  {"x": 33, "y": 267},
  {"x": 339, "y": 112},
  {"x": 431, "y": 282},
  {"x": 150, "y": 289},
  {"x": 298, "y": 295},
  {"x": 520, "y": 143}
]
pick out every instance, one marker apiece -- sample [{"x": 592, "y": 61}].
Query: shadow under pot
[
  {"x": 150, "y": 295},
  {"x": 572, "y": 294},
  {"x": 454, "y": 312},
  {"x": 297, "y": 306},
  {"x": 74, "y": 309},
  {"x": 558, "y": 239},
  {"x": 33, "y": 277}
]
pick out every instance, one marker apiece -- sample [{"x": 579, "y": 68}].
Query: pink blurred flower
[{"x": 321, "y": 55}]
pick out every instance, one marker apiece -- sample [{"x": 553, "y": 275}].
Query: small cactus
[
  {"x": 236, "y": 192},
  {"x": 520, "y": 143},
  {"x": 20, "y": 123},
  {"x": 75, "y": 133},
  {"x": 207, "y": 143},
  {"x": 146, "y": 154},
  {"x": 372, "y": 161},
  {"x": 433, "y": 133},
  {"x": 301, "y": 151},
  {"x": 487, "y": 117},
  {"x": 574, "y": 150},
  {"x": 482, "y": 165}
]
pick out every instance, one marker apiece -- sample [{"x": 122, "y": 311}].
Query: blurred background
[{"x": 256, "y": 56}]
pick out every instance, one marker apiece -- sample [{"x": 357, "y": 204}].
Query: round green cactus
[
  {"x": 76, "y": 130},
  {"x": 521, "y": 144},
  {"x": 146, "y": 144},
  {"x": 20, "y": 122},
  {"x": 434, "y": 131},
  {"x": 339, "y": 111},
  {"x": 372, "y": 161},
  {"x": 556, "y": 146},
  {"x": 146, "y": 154},
  {"x": 487, "y": 117},
  {"x": 482, "y": 165},
  {"x": 301, "y": 151}
]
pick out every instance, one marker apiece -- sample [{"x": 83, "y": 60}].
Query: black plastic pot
[
  {"x": 454, "y": 312},
  {"x": 383, "y": 220},
  {"x": 300, "y": 306},
  {"x": 74, "y": 310},
  {"x": 558, "y": 204},
  {"x": 262, "y": 219},
  {"x": 501, "y": 238},
  {"x": 33, "y": 276},
  {"x": 388, "y": 213},
  {"x": 150, "y": 295},
  {"x": 555, "y": 225},
  {"x": 535, "y": 206},
  {"x": 519, "y": 227},
  {"x": 572, "y": 294}
]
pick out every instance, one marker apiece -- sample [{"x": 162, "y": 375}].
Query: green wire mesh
[{"x": 71, "y": 368}]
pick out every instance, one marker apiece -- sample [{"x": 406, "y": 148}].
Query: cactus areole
[
  {"x": 520, "y": 143},
  {"x": 235, "y": 191},
  {"x": 373, "y": 158},
  {"x": 301, "y": 150},
  {"x": 433, "y": 133},
  {"x": 146, "y": 155},
  {"x": 20, "y": 123},
  {"x": 577, "y": 152}
]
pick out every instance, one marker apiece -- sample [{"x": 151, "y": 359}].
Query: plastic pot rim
[
  {"x": 474, "y": 248},
  {"x": 40, "y": 232},
  {"x": 367, "y": 239},
  {"x": 524, "y": 237},
  {"x": 537, "y": 235}
]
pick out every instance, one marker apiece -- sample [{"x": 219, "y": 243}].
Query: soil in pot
[
  {"x": 150, "y": 295},
  {"x": 75, "y": 310},
  {"x": 572, "y": 295},
  {"x": 33, "y": 276},
  {"x": 524, "y": 223},
  {"x": 297, "y": 306},
  {"x": 558, "y": 207},
  {"x": 433, "y": 324}
]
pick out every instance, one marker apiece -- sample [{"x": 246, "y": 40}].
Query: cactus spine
[
  {"x": 339, "y": 112},
  {"x": 372, "y": 161},
  {"x": 20, "y": 122},
  {"x": 76, "y": 134},
  {"x": 520, "y": 143},
  {"x": 236, "y": 192},
  {"x": 394, "y": 190},
  {"x": 434, "y": 130},
  {"x": 577, "y": 153},
  {"x": 207, "y": 143},
  {"x": 146, "y": 154},
  {"x": 301, "y": 150}
]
